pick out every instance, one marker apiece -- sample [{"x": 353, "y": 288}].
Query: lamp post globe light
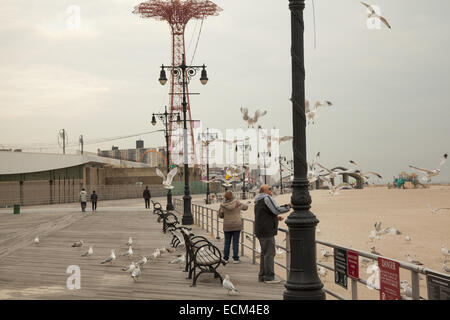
[
  {"x": 183, "y": 74},
  {"x": 166, "y": 118},
  {"x": 303, "y": 282}
]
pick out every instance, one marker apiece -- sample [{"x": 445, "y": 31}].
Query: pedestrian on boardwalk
[
  {"x": 147, "y": 197},
  {"x": 230, "y": 212},
  {"x": 83, "y": 199},
  {"x": 94, "y": 198},
  {"x": 266, "y": 227}
]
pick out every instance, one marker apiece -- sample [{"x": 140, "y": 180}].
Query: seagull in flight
[
  {"x": 325, "y": 253},
  {"x": 334, "y": 189},
  {"x": 373, "y": 14},
  {"x": 431, "y": 173},
  {"x": 167, "y": 182},
  {"x": 227, "y": 284},
  {"x": 364, "y": 174},
  {"x": 445, "y": 252},
  {"x": 251, "y": 121},
  {"x": 310, "y": 114}
]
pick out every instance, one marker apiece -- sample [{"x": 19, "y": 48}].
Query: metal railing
[{"x": 208, "y": 219}]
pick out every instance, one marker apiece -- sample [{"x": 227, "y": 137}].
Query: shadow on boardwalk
[{"x": 29, "y": 271}]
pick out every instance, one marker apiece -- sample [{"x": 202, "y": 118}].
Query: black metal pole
[
  {"x": 187, "y": 214},
  {"x": 244, "y": 196},
  {"x": 169, "y": 205},
  {"x": 303, "y": 282},
  {"x": 265, "y": 176},
  {"x": 281, "y": 175}
]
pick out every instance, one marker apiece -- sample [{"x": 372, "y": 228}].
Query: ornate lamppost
[
  {"x": 303, "y": 282},
  {"x": 166, "y": 118},
  {"x": 264, "y": 154},
  {"x": 210, "y": 137},
  {"x": 244, "y": 148},
  {"x": 183, "y": 75}
]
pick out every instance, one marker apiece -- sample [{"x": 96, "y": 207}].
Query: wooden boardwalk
[{"x": 29, "y": 271}]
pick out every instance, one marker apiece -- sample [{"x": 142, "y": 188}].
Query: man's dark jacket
[{"x": 266, "y": 215}]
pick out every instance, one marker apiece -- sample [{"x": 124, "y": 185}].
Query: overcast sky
[{"x": 389, "y": 88}]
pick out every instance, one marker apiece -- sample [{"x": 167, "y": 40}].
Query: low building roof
[{"x": 26, "y": 162}]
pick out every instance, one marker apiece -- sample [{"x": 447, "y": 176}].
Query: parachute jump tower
[{"x": 177, "y": 13}]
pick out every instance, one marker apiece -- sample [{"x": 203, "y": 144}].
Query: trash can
[{"x": 16, "y": 208}]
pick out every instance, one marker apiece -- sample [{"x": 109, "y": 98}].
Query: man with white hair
[{"x": 267, "y": 215}]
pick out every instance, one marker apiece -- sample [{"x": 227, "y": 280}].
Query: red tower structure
[{"x": 178, "y": 13}]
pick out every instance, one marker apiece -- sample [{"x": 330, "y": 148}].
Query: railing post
[
  {"x": 242, "y": 243},
  {"x": 253, "y": 244},
  {"x": 217, "y": 216},
  {"x": 354, "y": 289},
  {"x": 207, "y": 219},
  {"x": 203, "y": 218},
  {"x": 415, "y": 285}
]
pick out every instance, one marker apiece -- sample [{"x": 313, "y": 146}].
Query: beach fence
[{"x": 208, "y": 219}]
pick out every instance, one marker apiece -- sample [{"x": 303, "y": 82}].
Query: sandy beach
[{"x": 348, "y": 218}]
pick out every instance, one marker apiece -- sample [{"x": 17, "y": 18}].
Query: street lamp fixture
[
  {"x": 183, "y": 74},
  {"x": 166, "y": 118}
]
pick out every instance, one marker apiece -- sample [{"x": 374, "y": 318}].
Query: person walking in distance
[
  {"x": 267, "y": 215},
  {"x": 83, "y": 199},
  {"x": 147, "y": 197},
  {"x": 230, "y": 212},
  {"x": 94, "y": 198}
]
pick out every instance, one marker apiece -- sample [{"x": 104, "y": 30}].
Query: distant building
[{"x": 154, "y": 157}]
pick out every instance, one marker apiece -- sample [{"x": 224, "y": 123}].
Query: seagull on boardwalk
[
  {"x": 445, "y": 268},
  {"x": 408, "y": 238},
  {"x": 374, "y": 251},
  {"x": 413, "y": 261},
  {"x": 128, "y": 253},
  {"x": 431, "y": 173},
  {"x": 78, "y": 244},
  {"x": 111, "y": 258},
  {"x": 141, "y": 262},
  {"x": 156, "y": 253},
  {"x": 227, "y": 284},
  {"x": 325, "y": 253},
  {"x": 136, "y": 273},
  {"x": 435, "y": 210},
  {"x": 311, "y": 113},
  {"x": 130, "y": 241},
  {"x": 167, "y": 182},
  {"x": 322, "y": 271},
  {"x": 88, "y": 253},
  {"x": 180, "y": 259},
  {"x": 36, "y": 240},
  {"x": 372, "y": 14},
  {"x": 251, "y": 121},
  {"x": 279, "y": 251},
  {"x": 130, "y": 268},
  {"x": 445, "y": 251}
]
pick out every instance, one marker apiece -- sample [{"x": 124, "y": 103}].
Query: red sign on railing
[
  {"x": 353, "y": 264},
  {"x": 389, "y": 279}
]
